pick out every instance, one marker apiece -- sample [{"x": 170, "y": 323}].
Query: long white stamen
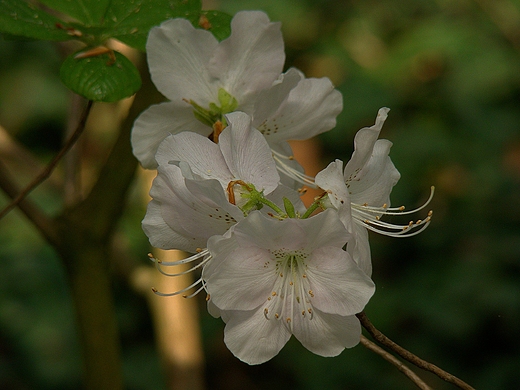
[
  {"x": 158, "y": 265},
  {"x": 369, "y": 217},
  {"x": 394, "y": 210},
  {"x": 203, "y": 255},
  {"x": 177, "y": 292},
  {"x": 291, "y": 172}
]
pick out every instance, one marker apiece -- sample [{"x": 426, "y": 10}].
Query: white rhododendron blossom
[
  {"x": 205, "y": 79},
  {"x": 203, "y": 188},
  {"x": 271, "y": 279},
  {"x": 227, "y": 189},
  {"x": 361, "y": 191}
]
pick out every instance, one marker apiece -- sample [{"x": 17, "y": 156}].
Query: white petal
[
  {"x": 376, "y": 179},
  {"x": 310, "y": 109},
  {"x": 270, "y": 233},
  {"x": 363, "y": 146},
  {"x": 244, "y": 280},
  {"x": 180, "y": 209},
  {"x": 324, "y": 229},
  {"x": 270, "y": 100},
  {"x": 327, "y": 334},
  {"x": 252, "y": 338},
  {"x": 332, "y": 181},
  {"x": 339, "y": 286},
  {"x": 202, "y": 155},
  {"x": 251, "y": 58},
  {"x": 161, "y": 235},
  {"x": 178, "y": 56},
  {"x": 359, "y": 248},
  {"x": 247, "y": 153},
  {"x": 156, "y": 123},
  {"x": 213, "y": 310}
]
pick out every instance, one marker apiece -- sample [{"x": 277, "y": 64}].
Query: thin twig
[
  {"x": 407, "y": 355},
  {"x": 41, "y": 221},
  {"x": 396, "y": 362},
  {"x": 50, "y": 167}
]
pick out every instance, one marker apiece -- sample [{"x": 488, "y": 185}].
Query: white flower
[
  {"x": 205, "y": 80},
  {"x": 270, "y": 279},
  {"x": 361, "y": 192},
  {"x": 202, "y": 188}
]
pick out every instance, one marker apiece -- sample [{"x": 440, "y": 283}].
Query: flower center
[
  {"x": 214, "y": 115},
  {"x": 291, "y": 295}
]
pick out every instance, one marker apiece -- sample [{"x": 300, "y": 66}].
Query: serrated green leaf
[
  {"x": 130, "y": 21},
  {"x": 89, "y": 12},
  {"x": 101, "y": 79},
  {"x": 18, "y": 17},
  {"x": 219, "y": 23}
]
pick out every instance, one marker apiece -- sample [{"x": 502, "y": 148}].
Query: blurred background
[{"x": 450, "y": 72}]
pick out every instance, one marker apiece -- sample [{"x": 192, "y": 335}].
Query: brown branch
[
  {"x": 50, "y": 167},
  {"x": 44, "y": 224},
  {"x": 396, "y": 362},
  {"x": 407, "y": 355}
]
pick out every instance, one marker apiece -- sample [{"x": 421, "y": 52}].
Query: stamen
[
  {"x": 203, "y": 255},
  {"x": 370, "y": 217},
  {"x": 180, "y": 291},
  {"x": 291, "y": 172}
]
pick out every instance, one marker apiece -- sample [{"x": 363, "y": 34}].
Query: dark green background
[{"x": 450, "y": 72}]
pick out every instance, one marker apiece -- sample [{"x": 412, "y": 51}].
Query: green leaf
[
  {"x": 99, "y": 78},
  {"x": 18, "y": 17},
  {"x": 219, "y": 23},
  {"x": 130, "y": 23},
  {"x": 89, "y": 12}
]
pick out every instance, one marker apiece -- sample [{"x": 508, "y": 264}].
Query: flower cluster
[{"x": 227, "y": 189}]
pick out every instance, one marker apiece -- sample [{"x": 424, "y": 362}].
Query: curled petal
[
  {"x": 375, "y": 181},
  {"x": 364, "y": 145}
]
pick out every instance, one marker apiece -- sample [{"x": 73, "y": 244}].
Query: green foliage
[
  {"x": 24, "y": 19},
  {"x": 106, "y": 77},
  {"x": 451, "y": 294},
  {"x": 94, "y": 23}
]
